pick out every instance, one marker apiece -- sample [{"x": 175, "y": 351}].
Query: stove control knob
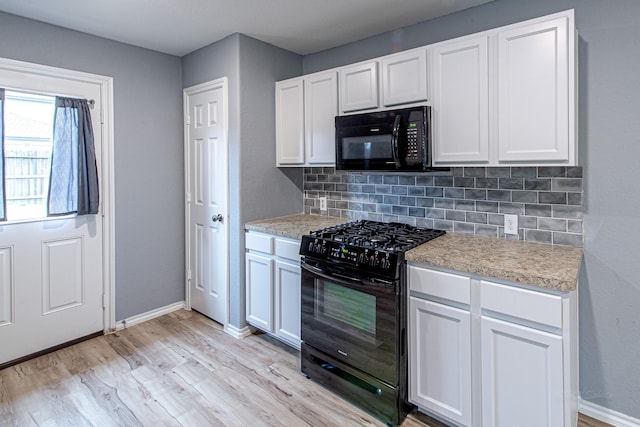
[
  {"x": 384, "y": 263},
  {"x": 373, "y": 260},
  {"x": 362, "y": 258}
]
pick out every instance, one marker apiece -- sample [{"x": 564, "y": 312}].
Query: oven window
[
  {"x": 366, "y": 147},
  {"x": 353, "y": 308}
]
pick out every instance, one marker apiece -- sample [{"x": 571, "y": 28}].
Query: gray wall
[
  {"x": 609, "y": 132},
  {"x": 258, "y": 189},
  {"x": 149, "y": 210}
]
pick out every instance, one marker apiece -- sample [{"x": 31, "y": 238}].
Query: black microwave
[{"x": 384, "y": 140}]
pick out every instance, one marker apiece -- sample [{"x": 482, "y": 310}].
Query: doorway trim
[
  {"x": 107, "y": 188},
  {"x": 186, "y": 92}
]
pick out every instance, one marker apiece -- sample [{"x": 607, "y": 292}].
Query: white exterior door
[
  {"x": 207, "y": 198},
  {"x": 51, "y": 270}
]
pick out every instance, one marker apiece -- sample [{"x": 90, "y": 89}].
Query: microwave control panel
[{"x": 415, "y": 138}]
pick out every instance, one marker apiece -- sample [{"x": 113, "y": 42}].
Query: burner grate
[{"x": 391, "y": 237}]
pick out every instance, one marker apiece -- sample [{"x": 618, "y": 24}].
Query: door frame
[
  {"x": 212, "y": 84},
  {"x": 107, "y": 187}
]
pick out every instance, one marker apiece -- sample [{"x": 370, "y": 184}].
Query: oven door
[{"x": 352, "y": 319}]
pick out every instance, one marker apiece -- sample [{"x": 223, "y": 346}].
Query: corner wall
[{"x": 257, "y": 189}]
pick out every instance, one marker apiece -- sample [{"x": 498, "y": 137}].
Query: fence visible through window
[{"x": 28, "y": 139}]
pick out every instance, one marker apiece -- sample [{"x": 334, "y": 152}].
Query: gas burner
[{"x": 390, "y": 237}]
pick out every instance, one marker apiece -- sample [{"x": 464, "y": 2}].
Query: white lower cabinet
[
  {"x": 273, "y": 286},
  {"x": 259, "y": 271},
  {"x": 522, "y": 380},
  {"x": 440, "y": 359},
  {"x": 287, "y": 296},
  {"x": 491, "y": 354}
]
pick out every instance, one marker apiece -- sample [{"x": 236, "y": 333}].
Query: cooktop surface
[{"x": 386, "y": 236}]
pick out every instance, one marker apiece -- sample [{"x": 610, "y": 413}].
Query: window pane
[{"x": 28, "y": 122}]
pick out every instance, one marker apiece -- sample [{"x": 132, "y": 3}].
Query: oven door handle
[{"x": 333, "y": 276}]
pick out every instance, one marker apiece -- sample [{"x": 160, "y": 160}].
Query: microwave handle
[{"x": 394, "y": 140}]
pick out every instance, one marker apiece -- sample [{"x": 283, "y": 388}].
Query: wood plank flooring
[{"x": 178, "y": 370}]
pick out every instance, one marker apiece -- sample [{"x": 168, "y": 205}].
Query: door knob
[{"x": 217, "y": 218}]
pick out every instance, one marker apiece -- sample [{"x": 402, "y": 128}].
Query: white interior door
[
  {"x": 207, "y": 198},
  {"x": 51, "y": 270}
]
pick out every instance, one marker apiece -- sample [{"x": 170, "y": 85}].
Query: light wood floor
[{"x": 179, "y": 369}]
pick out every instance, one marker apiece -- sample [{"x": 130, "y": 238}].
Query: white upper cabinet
[
  {"x": 404, "y": 77},
  {"x": 503, "y": 97},
  {"x": 320, "y": 110},
  {"x": 506, "y": 96},
  {"x": 401, "y": 80},
  {"x": 536, "y": 92},
  {"x": 359, "y": 87},
  {"x": 305, "y": 120},
  {"x": 290, "y": 122},
  {"x": 460, "y": 117}
]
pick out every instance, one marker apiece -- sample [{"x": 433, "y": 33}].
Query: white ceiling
[{"x": 178, "y": 27}]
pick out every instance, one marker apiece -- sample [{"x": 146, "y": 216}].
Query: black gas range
[
  {"x": 370, "y": 246},
  {"x": 354, "y": 312}
]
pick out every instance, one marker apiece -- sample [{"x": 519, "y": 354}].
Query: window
[{"x": 28, "y": 127}]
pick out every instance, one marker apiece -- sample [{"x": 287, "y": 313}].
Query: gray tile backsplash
[{"x": 547, "y": 200}]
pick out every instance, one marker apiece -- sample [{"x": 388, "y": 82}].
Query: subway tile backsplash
[{"x": 547, "y": 200}]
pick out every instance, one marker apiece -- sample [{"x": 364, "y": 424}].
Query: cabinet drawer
[
  {"x": 289, "y": 249},
  {"x": 259, "y": 242},
  {"x": 522, "y": 303},
  {"x": 441, "y": 285}
]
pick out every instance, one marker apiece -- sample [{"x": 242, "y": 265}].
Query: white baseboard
[
  {"x": 139, "y": 318},
  {"x": 607, "y": 415},
  {"x": 237, "y": 332}
]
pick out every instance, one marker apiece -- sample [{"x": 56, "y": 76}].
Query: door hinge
[
  {"x": 188, "y": 119},
  {"x": 104, "y": 301},
  {"x": 189, "y": 274}
]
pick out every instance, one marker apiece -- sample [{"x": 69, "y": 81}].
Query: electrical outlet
[
  {"x": 511, "y": 224},
  {"x": 323, "y": 203}
]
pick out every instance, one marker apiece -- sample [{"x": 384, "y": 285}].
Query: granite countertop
[
  {"x": 293, "y": 226},
  {"x": 547, "y": 266}
]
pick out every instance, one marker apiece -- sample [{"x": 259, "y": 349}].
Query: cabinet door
[
  {"x": 535, "y": 87},
  {"x": 460, "y": 113},
  {"x": 259, "y": 288},
  {"x": 522, "y": 381},
  {"x": 440, "y": 359},
  {"x": 359, "y": 87},
  {"x": 290, "y": 123},
  {"x": 287, "y": 313},
  {"x": 320, "y": 109},
  {"x": 404, "y": 78}
]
